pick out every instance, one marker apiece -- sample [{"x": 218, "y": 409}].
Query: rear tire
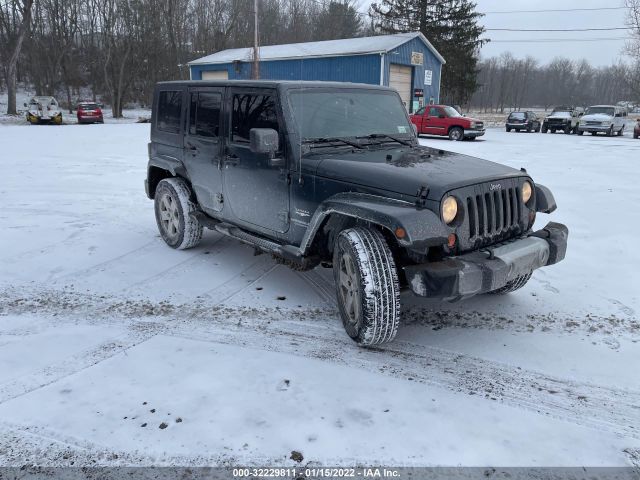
[
  {"x": 513, "y": 285},
  {"x": 173, "y": 206},
  {"x": 367, "y": 286},
  {"x": 508, "y": 130},
  {"x": 580, "y": 132},
  {"x": 545, "y": 129}
]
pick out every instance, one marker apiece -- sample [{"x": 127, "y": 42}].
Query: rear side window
[
  {"x": 204, "y": 114},
  {"x": 169, "y": 111},
  {"x": 252, "y": 111},
  {"x": 434, "y": 112}
]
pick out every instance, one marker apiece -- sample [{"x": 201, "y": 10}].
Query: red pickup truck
[{"x": 446, "y": 121}]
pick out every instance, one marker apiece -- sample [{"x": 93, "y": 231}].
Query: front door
[
  {"x": 255, "y": 192},
  {"x": 203, "y": 146},
  {"x": 433, "y": 123}
]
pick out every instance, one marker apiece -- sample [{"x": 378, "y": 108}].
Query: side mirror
[
  {"x": 415, "y": 128},
  {"x": 264, "y": 140},
  {"x": 25, "y": 105},
  {"x": 442, "y": 116}
]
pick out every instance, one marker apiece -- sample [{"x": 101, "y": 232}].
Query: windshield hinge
[
  {"x": 422, "y": 197},
  {"x": 284, "y": 216}
]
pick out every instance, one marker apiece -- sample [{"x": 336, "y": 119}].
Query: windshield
[
  {"x": 451, "y": 112},
  {"x": 517, "y": 116},
  {"x": 561, "y": 113},
  {"x": 348, "y": 113},
  {"x": 605, "y": 110}
]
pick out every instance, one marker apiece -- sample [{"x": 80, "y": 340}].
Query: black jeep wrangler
[{"x": 332, "y": 174}]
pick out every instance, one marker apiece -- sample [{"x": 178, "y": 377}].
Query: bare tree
[{"x": 15, "y": 18}]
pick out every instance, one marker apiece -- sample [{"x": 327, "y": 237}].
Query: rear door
[
  {"x": 203, "y": 146},
  {"x": 255, "y": 192}
]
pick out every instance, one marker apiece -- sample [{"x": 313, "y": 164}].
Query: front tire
[
  {"x": 515, "y": 284},
  {"x": 173, "y": 206},
  {"x": 621, "y": 131},
  {"x": 456, "y": 134},
  {"x": 367, "y": 286}
]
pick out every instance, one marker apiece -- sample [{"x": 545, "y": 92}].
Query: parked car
[
  {"x": 332, "y": 174},
  {"x": 89, "y": 112},
  {"x": 565, "y": 119},
  {"x": 636, "y": 130},
  {"x": 527, "y": 121},
  {"x": 607, "y": 119},
  {"x": 446, "y": 121},
  {"x": 43, "y": 109}
]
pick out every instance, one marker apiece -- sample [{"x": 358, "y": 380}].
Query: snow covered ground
[{"x": 117, "y": 350}]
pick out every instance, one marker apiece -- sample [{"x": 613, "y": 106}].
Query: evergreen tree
[
  {"x": 451, "y": 26},
  {"x": 338, "y": 19}
]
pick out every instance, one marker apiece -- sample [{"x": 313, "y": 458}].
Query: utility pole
[{"x": 256, "y": 59}]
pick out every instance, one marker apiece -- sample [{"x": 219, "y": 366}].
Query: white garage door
[
  {"x": 217, "y": 75},
  {"x": 400, "y": 79}
]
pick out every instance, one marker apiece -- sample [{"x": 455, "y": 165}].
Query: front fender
[
  {"x": 423, "y": 227},
  {"x": 545, "y": 202}
]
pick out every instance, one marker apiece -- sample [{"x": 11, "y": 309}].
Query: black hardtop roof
[{"x": 283, "y": 84}]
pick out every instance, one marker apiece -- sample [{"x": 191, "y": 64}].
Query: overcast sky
[{"x": 605, "y": 50}]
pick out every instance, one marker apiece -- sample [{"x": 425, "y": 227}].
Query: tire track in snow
[
  {"x": 325, "y": 289},
  {"x": 612, "y": 409},
  {"x": 300, "y": 333},
  {"x": 135, "y": 335}
]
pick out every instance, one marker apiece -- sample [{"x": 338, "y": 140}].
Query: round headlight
[
  {"x": 449, "y": 209},
  {"x": 527, "y": 191}
]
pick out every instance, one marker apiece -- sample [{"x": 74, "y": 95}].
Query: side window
[
  {"x": 204, "y": 114},
  {"x": 252, "y": 111},
  {"x": 421, "y": 111},
  {"x": 434, "y": 112},
  {"x": 169, "y": 110}
]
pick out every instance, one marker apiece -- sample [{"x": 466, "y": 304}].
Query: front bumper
[
  {"x": 473, "y": 133},
  {"x": 594, "y": 128},
  {"x": 488, "y": 269}
]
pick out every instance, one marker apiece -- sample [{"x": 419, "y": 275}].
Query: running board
[{"x": 289, "y": 253}]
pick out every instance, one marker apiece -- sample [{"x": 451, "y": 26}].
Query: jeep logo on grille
[{"x": 495, "y": 186}]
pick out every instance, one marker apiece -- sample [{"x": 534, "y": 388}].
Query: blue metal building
[{"x": 405, "y": 61}]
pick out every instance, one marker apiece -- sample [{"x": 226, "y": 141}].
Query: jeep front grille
[{"x": 493, "y": 216}]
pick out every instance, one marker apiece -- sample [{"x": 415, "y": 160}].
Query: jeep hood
[
  {"x": 597, "y": 117},
  {"x": 563, "y": 116},
  {"x": 409, "y": 170}
]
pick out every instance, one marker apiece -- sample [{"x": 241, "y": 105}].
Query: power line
[
  {"x": 553, "y": 11},
  {"x": 557, "y": 29},
  {"x": 562, "y": 40}
]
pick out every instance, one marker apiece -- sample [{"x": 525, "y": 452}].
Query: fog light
[{"x": 400, "y": 232}]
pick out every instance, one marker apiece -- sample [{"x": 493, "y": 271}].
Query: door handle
[{"x": 191, "y": 147}]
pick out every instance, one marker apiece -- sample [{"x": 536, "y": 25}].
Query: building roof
[{"x": 327, "y": 48}]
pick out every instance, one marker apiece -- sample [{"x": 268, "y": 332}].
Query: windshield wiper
[
  {"x": 343, "y": 141},
  {"x": 373, "y": 136}
]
